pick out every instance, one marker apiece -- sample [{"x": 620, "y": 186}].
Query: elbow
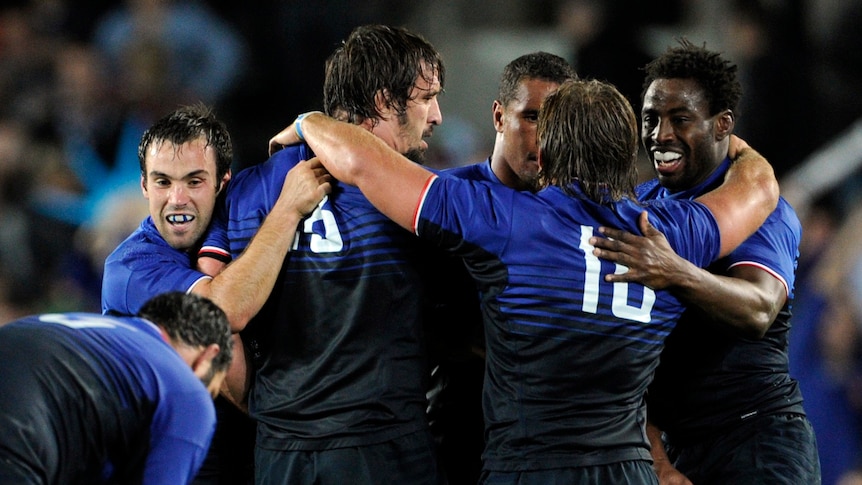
[
  {"x": 755, "y": 323},
  {"x": 238, "y": 322},
  {"x": 755, "y": 328}
]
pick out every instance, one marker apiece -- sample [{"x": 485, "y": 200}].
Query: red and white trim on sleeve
[
  {"x": 215, "y": 253},
  {"x": 768, "y": 270},
  {"x": 421, "y": 203}
]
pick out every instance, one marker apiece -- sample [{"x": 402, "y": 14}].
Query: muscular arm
[
  {"x": 237, "y": 382},
  {"x": 390, "y": 181},
  {"x": 243, "y": 286},
  {"x": 745, "y": 199},
  {"x": 747, "y": 299}
]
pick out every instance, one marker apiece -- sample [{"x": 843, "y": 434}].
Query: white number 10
[{"x": 619, "y": 306}]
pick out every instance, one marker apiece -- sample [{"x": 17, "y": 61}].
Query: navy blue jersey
[
  {"x": 569, "y": 356},
  {"x": 340, "y": 348},
  {"x": 709, "y": 379},
  {"x": 87, "y": 398},
  {"x": 142, "y": 266}
]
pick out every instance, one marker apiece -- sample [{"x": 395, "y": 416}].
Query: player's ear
[
  {"x": 144, "y": 186},
  {"x": 202, "y": 363},
  {"x": 224, "y": 180},
  {"x": 383, "y": 102},
  {"x": 497, "y": 113},
  {"x": 724, "y": 123}
]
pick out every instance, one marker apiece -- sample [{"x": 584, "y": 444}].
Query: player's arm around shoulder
[
  {"x": 353, "y": 155},
  {"x": 745, "y": 199},
  {"x": 243, "y": 286}
]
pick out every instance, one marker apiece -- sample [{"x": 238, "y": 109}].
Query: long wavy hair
[{"x": 588, "y": 133}]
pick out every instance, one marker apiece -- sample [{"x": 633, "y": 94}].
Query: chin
[{"x": 416, "y": 155}]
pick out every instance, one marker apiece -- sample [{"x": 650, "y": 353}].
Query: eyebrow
[{"x": 196, "y": 173}]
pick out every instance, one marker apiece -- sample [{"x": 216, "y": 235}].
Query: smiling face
[
  {"x": 406, "y": 132},
  {"x": 515, "y": 158},
  {"x": 180, "y": 185},
  {"x": 683, "y": 141}
]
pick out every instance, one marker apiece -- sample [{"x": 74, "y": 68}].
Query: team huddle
[{"x": 534, "y": 318}]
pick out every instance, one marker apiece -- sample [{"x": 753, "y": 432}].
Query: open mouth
[
  {"x": 666, "y": 161},
  {"x": 180, "y": 218}
]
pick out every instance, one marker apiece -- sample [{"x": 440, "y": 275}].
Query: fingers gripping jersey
[{"x": 341, "y": 354}]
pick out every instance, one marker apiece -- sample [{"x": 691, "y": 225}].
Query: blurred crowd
[{"x": 79, "y": 84}]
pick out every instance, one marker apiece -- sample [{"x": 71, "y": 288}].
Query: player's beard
[{"x": 416, "y": 155}]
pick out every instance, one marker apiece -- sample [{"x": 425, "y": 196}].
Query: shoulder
[
  {"x": 268, "y": 175},
  {"x": 477, "y": 171},
  {"x": 648, "y": 190}
]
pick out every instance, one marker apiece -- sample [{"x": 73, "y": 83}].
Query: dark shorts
[
  {"x": 623, "y": 473},
  {"x": 409, "y": 459},
  {"x": 777, "y": 449}
]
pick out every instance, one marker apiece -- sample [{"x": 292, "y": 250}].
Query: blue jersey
[
  {"x": 710, "y": 380},
  {"x": 142, "y": 266},
  {"x": 339, "y": 348},
  {"x": 479, "y": 172},
  {"x": 87, "y": 398},
  {"x": 569, "y": 355}
]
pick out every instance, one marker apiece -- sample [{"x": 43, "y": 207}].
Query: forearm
[
  {"x": 341, "y": 146},
  {"x": 659, "y": 455},
  {"x": 244, "y": 285},
  {"x": 742, "y": 306},
  {"x": 391, "y": 182},
  {"x": 237, "y": 382}
]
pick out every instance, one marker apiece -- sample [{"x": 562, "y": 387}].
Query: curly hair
[
  {"x": 193, "y": 320},
  {"x": 588, "y": 133},
  {"x": 716, "y": 75}
]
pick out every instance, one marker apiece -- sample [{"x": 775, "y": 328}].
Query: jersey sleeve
[
  {"x": 453, "y": 210},
  {"x": 180, "y": 434},
  {"x": 216, "y": 244},
  {"x": 137, "y": 272},
  {"x": 774, "y": 247}
]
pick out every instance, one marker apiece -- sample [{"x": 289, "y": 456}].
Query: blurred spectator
[
  {"x": 765, "y": 39},
  {"x": 609, "y": 46},
  {"x": 25, "y": 66},
  {"x": 204, "y": 55},
  {"x": 826, "y": 340},
  {"x": 19, "y": 267}
]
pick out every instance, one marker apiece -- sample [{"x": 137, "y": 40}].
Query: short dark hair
[
  {"x": 536, "y": 65},
  {"x": 588, "y": 133},
  {"x": 716, "y": 75},
  {"x": 377, "y": 59},
  {"x": 193, "y": 320},
  {"x": 188, "y": 123}
]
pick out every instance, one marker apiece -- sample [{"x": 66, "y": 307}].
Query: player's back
[
  {"x": 339, "y": 343},
  {"x": 569, "y": 355},
  {"x": 85, "y": 388}
]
